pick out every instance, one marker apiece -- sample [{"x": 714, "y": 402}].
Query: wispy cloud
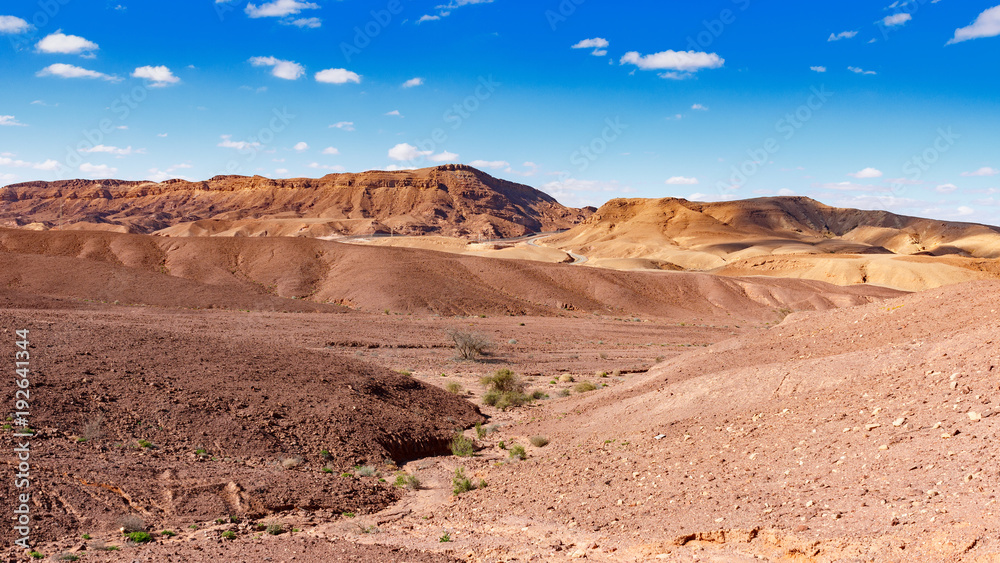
[
  {"x": 113, "y": 150},
  {"x": 279, "y": 8},
  {"x": 842, "y": 35},
  {"x": 288, "y": 70},
  {"x": 62, "y": 70},
  {"x": 413, "y": 82},
  {"x": 986, "y": 25},
  {"x": 598, "y": 44},
  {"x": 344, "y": 125},
  {"x": 866, "y": 173},
  {"x": 681, "y": 181},
  {"x": 229, "y": 143},
  {"x": 896, "y": 19},
  {"x": 818, "y": 68},
  {"x": 445, "y": 10},
  {"x": 491, "y": 164},
  {"x": 10, "y": 121},
  {"x": 858, "y": 70},
  {"x": 984, "y": 171}
]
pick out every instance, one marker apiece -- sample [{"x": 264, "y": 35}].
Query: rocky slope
[{"x": 453, "y": 200}]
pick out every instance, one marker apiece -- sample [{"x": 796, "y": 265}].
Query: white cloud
[
  {"x": 311, "y": 23},
  {"x": 301, "y": 146},
  {"x": 10, "y": 121},
  {"x": 396, "y": 168},
  {"x": 330, "y": 150},
  {"x": 66, "y": 45},
  {"x": 866, "y": 173},
  {"x": 492, "y": 164},
  {"x": 946, "y": 188},
  {"x": 394, "y": 113},
  {"x": 818, "y": 68},
  {"x": 159, "y": 76},
  {"x": 699, "y": 107},
  {"x": 318, "y": 166},
  {"x": 965, "y": 210},
  {"x": 857, "y": 70},
  {"x": 281, "y": 171},
  {"x": 984, "y": 171},
  {"x": 427, "y": 18},
  {"x": 95, "y": 170},
  {"x": 406, "y": 151},
  {"x": 113, "y": 150},
  {"x": 446, "y": 9},
  {"x": 986, "y": 25},
  {"x": 62, "y": 70},
  {"x": 680, "y": 64},
  {"x": 229, "y": 143},
  {"x": 444, "y": 157},
  {"x": 842, "y": 35},
  {"x": 598, "y": 44},
  {"x": 288, "y": 70},
  {"x": 13, "y": 25},
  {"x": 7, "y": 177},
  {"x": 162, "y": 134},
  {"x": 852, "y": 187},
  {"x": 576, "y": 192},
  {"x": 681, "y": 181},
  {"x": 157, "y": 175},
  {"x": 279, "y": 8},
  {"x": 345, "y": 125},
  {"x": 897, "y": 19},
  {"x": 48, "y": 165},
  {"x": 337, "y": 76},
  {"x": 698, "y": 196},
  {"x": 413, "y": 82}
]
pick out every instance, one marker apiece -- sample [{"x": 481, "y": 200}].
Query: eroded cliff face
[{"x": 453, "y": 200}]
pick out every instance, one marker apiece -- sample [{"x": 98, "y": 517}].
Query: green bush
[
  {"x": 462, "y": 446},
  {"x": 139, "y": 537},
  {"x": 504, "y": 390},
  {"x": 460, "y": 483},
  {"x": 445, "y": 538},
  {"x": 407, "y": 481},
  {"x": 453, "y": 388},
  {"x": 36, "y": 554},
  {"x": 229, "y": 535},
  {"x": 275, "y": 528},
  {"x": 584, "y": 387},
  {"x": 517, "y": 452},
  {"x": 168, "y": 534},
  {"x": 365, "y": 471}
]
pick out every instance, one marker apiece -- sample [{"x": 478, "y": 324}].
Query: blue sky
[{"x": 858, "y": 104}]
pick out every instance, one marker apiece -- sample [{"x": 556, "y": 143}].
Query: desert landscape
[{"x": 486, "y": 281}]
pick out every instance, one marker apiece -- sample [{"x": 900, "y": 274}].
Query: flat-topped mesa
[{"x": 453, "y": 200}]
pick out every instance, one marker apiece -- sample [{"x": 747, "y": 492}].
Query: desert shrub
[
  {"x": 139, "y": 537},
  {"x": 290, "y": 462},
  {"x": 131, "y": 523},
  {"x": 365, "y": 471},
  {"x": 275, "y": 528},
  {"x": 445, "y": 538},
  {"x": 504, "y": 390},
  {"x": 480, "y": 431},
  {"x": 325, "y": 454},
  {"x": 566, "y": 378},
  {"x": 462, "y": 446},
  {"x": 539, "y": 395},
  {"x": 460, "y": 483},
  {"x": 228, "y": 535},
  {"x": 67, "y": 557},
  {"x": 348, "y": 515},
  {"x": 539, "y": 441},
  {"x": 327, "y": 470},
  {"x": 36, "y": 554},
  {"x": 453, "y": 388},
  {"x": 145, "y": 444},
  {"x": 564, "y": 392},
  {"x": 469, "y": 345},
  {"x": 584, "y": 387},
  {"x": 168, "y": 533},
  {"x": 517, "y": 452},
  {"x": 407, "y": 481}
]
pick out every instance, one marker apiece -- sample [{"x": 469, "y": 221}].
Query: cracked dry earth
[{"x": 857, "y": 434}]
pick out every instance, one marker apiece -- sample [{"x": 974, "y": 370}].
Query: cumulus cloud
[
  {"x": 842, "y": 35},
  {"x": 337, "y": 76},
  {"x": 896, "y": 19},
  {"x": 48, "y": 165},
  {"x": 946, "y": 188},
  {"x": 113, "y": 150},
  {"x": 158, "y": 76},
  {"x": 406, "y": 151},
  {"x": 857, "y": 70},
  {"x": 279, "y": 8},
  {"x": 301, "y": 146},
  {"x": 598, "y": 44},
  {"x": 59, "y": 43},
  {"x": 866, "y": 173},
  {"x": 98, "y": 170},
  {"x": 318, "y": 166},
  {"x": 311, "y": 23},
  {"x": 681, "y": 181},
  {"x": 229, "y": 143},
  {"x": 13, "y": 25},
  {"x": 491, "y": 164},
  {"x": 330, "y": 150},
  {"x": 986, "y": 25},
  {"x": 345, "y": 125},
  {"x": 413, "y": 82},
  {"x": 62, "y": 70},
  {"x": 444, "y": 157},
  {"x": 818, "y": 68},
  {"x": 984, "y": 171},
  {"x": 288, "y": 70},
  {"x": 678, "y": 64},
  {"x": 394, "y": 113},
  {"x": 10, "y": 121},
  {"x": 698, "y": 196}
]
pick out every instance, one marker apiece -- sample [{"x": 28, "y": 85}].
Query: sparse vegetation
[
  {"x": 145, "y": 444},
  {"x": 584, "y": 387},
  {"x": 111, "y": 548},
  {"x": 460, "y": 483},
  {"x": 469, "y": 345},
  {"x": 290, "y": 462},
  {"x": 139, "y": 537},
  {"x": 453, "y": 388},
  {"x": 36, "y": 554},
  {"x": 566, "y": 378},
  {"x": 325, "y": 454},
  {"x": 348, "y": 515},
  {"x": 85, "y": 536},
  {"x": 201, "y": 452},
  {"x": 517, "y": 452},
  {"x": 168, "y": 533},
  {"x": 504, "y": 389},
  {"x": 228, "y": 535},
  {"x": 67, "y": 557},
  {"x": 480, "y": 431},
  {"x": 275, "y": 528},
  {"x": 462, "y": 446},
  {"x": 407, "y": 481},
  {"x": 445, "y": 538},
  {"x": 365, "y": 471},
  {"x": 131, "y": 523},
  {"x": 539, "y": 441}
]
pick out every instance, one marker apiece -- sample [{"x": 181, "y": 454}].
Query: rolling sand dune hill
[
  {"x": 453, "y": 200},
  {"x": 308, "y": 273},
  {"x": 732, "y": 238},
  {"x": 863, "y": 433}
]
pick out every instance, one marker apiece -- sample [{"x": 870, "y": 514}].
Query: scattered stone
[
  {"x": 975, "y": 416},
  {"x": 899, "y": 421}
]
